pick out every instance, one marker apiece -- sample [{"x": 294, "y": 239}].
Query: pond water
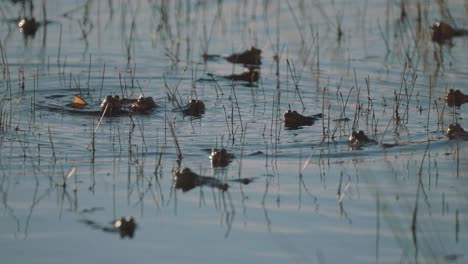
[{"x": 294, "y": 195}]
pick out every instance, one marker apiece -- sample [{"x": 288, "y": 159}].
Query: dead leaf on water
[{"x": 78, "y": 101}]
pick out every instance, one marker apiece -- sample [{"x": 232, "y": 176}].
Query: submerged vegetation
[{"x": 130, "y": 97}]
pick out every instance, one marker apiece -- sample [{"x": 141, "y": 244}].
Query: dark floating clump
[
  {"x": 294, "y": 120},
  {"x": 194, "y": 108},
  {"x": 252, "y": 56},
  {"x": 359, "y": 139},
  {"x": 220, "y": 157},
  {"x": 250, "y": 75},
  {"x": 455, "y": 131},
  {"x": 186, "y": 180},
  {"x": 455, "y": 98},
  {"x": 442, "y": 33}
]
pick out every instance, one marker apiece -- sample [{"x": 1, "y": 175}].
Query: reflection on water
[{"x": 378, "y": 174}]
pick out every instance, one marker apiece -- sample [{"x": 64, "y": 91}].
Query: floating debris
[
  {"x": 455, "y": 131},
  {"x": 455, "y": 98},
  {"x": 186, "y": 180},
  {"x": 249, "y": 75},
  {"x": 220, "y": 157},
  {"x": 252, "y": 56},
  {"x": 294, "y": 120},
  {"x": 359, "y": 139},
  {"x": 77, "y": 102},
  {"x": 442, "y": 33},
  {"x": 194, "y": 108}
]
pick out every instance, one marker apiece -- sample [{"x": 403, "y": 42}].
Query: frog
[
  {"x": 186, "y": 180},
  {"x": 455, "y": 98},
  {"x": 143, "y": 104},
  {"x": 194, "y": 108},
  {"x": 114, "y": 105},
  {"x": 125, "y": 226},
  {"x": 359, "y": 139},
  {"x": 250, "y": 75},
  {"x": 220, "y": 157},
  {"x": 294, "y": 120},
  {"x": 28, "y": 26},
  {"x": 251, "y": 56},
  {"x": 456, "y": 131},
  {"x": 443, "y": 33}
]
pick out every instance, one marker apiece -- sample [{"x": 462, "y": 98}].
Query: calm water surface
[{"x": 313, "y": 199}]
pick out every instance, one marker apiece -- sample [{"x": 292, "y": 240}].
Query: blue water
[{"x": 313, "y": 199}]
